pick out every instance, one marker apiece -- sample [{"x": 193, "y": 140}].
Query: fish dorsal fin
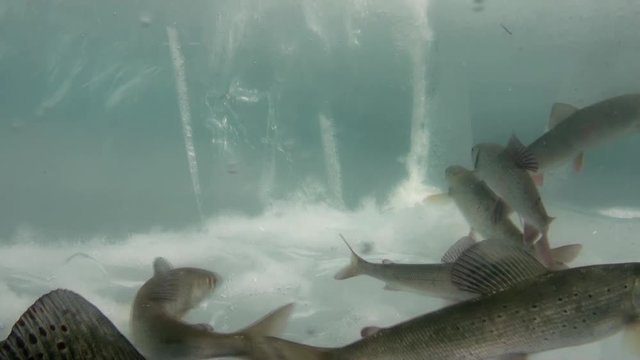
[
  {"x": 500, "y": 210},
  {"x": 161, "y": 266},
  {"x": 491, "y": 266},
  {"x": 523, "y": 158},
  {"x": 453, "y": 253},
  {"x": 559, "y": 113},
  {"x": 62, "y": 324}
]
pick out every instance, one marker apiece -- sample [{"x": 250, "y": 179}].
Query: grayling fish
[
  {"x": 488, "y": 215},
  {"x": 432, "y": 279},
  {"x": 572, "y": 131},
  {"x": 156, "y": 317},
  {"x": 505, "y": 170},
  {"x": 63, "y": 325},
  {"x": 426, "y": 279},
  {"x": 526, "y": 309}
]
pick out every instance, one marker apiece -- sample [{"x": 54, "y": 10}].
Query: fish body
[
  {"x": 506, "y": 171},
  {"x": 485, "y": 212},
  {"x": 546, "y": 311},
  {"x": 156, "y": 317},
  {"x": 574, "y": 130},
  {"x": 63, "y": 325}
]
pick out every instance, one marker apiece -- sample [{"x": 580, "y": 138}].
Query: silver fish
[
  {"x": 63, "y": 325},
  {"x": 157, "y": 327},
  {"x": 505, "y": 170},
  {"x": 526, "y": 309},
  {"x": 426, "y": 279},
  {"x": 572, "y": 131}
]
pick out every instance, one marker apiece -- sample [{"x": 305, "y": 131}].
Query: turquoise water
[{"x": 297, "y": 121}]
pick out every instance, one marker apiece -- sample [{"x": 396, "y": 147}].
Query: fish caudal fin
[
  {"x": 63, "y": 325},
  {"x": 272, "y": 324},
  {"x": 353, "y": 269},
  {"x": 270, "y": 348}
]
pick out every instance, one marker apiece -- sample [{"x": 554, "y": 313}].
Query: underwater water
[{"x": 243, "y": 136}]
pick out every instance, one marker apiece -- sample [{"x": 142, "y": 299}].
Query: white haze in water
[{"x": 288, "y": 254}]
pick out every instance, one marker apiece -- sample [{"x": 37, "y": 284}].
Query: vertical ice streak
[
  {"x": 185, "y": 114},
  {"x": 413, "y": 188},
  {"x": 334, "y": 175},
  {"x": 270, "y": 139}
]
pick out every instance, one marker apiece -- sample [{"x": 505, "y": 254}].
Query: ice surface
[{"x": 290, "y": 253}]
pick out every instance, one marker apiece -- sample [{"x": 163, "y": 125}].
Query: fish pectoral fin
[
  {"x": 523, "y": 158},
  {"x": 203, "y": 326},
  {"x": 161, "y": 266},
  {"x": 272, "y": 324},
  {"x": 457, "y": 248},
  {"x": 559, "y": 113},
  {"x": 632, "y": 337},
  {"x": 513, "y": 357},
  {"x": 441, "y": 198},
  {"x": 578, "y": 162},
  {"x": 387, "y": 262},
  {"x": 491, "y": 266}
]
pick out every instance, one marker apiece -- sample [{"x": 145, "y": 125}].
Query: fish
[
  {"x": 63, "y": 325},
  {"x": 571, "y": 131},
  {"x": 506, "y": 171},
  {"x": 425, "y": 279},
  {"x": 488, "y": 215},
  {"x": 525, "y": 309},
  {"x": 157, "y": 327}
]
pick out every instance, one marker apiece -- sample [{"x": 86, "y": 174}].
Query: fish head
[{"x": 195, "y": 285}]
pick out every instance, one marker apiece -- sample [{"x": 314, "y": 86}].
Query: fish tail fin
[
  {"x": 353, "y": 269},
  {"x": 271, "y": 348},
  {"x": 272, "y": 324},
  {"x": 77, "y": 326}
]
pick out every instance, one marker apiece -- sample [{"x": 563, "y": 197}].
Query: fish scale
[{"x": 555, "y": 310}]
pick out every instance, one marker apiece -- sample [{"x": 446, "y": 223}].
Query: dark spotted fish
[
  {"x": 526, "y": 309},
  {"x": 63, "y": 325}
]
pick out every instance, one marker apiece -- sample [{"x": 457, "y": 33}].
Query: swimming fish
[
  {"x": 525, "y": 309},
  {"x": 488, "y": 215},
  {"x": 505, "y": 170},
  {"x": 157, "y": 327},
  {"x": 431, "y": 279},
  {"x": 63, "y": 325},
  {"x": 571, "y": 131},
  {"x": 426, "y": 279}
]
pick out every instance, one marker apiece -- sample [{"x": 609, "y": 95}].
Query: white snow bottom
[{"x": 289, "y": 254}]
